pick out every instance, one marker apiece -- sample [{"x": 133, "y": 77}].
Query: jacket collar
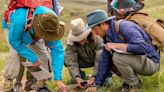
[{"x": 111, "y": 35}]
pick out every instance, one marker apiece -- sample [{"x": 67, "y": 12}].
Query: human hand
[
  {"x": 91, "y": 89},
  {"x": 79, "y": 81},
  {"x": 109, "y": 46},
  {"x": 91, "y": 81},
  {"x": 62, "y": 87},
  {"x": 37, "y": 63}
]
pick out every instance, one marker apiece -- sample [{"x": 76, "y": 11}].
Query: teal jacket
[{"x": 19, "y": 39}]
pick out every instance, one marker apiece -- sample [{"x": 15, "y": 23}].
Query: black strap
[{"x": 34, "y": 38}]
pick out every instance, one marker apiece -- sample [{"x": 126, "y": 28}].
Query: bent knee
[{"x": 116, "y": 58}]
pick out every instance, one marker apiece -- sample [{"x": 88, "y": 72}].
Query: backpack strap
[
  {"x": 117, "y": 28},
  {"x": 34, "y": 38},
  {"x": 133, "y": 13},
  {"x": 28, "y": 25},
  {"x": 117, "y": 25},
  {"x": 160, "y": 22},
  {"x": 29, "y": 18}
]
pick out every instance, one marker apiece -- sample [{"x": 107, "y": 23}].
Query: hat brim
[
  {"x": 47, "y": 36},
  {"x": 107, "y": 19},
  {"x": 79, "y": 37}
]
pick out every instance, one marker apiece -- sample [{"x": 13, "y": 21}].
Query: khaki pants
[
  {"x": 11, "y": 71},
  {"x": 130, "y": 65},
  {"x": 40, "y": 49},
  {"x": 15, "y": 70}
]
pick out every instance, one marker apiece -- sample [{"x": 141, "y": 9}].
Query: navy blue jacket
[{"x": 138, "y": 42}]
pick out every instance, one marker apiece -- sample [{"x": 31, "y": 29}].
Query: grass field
[{"x": 76, "y": 8}]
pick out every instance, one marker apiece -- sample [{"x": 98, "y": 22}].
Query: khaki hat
[
  {"x": 47, "y": 27},
  {"x": 78, "y": 30}
]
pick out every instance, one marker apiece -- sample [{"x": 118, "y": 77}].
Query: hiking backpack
[
  {"x": 31, "y": 4},
  {"x": 34, "y": 3},
  {"x": 154, "y": 29}
]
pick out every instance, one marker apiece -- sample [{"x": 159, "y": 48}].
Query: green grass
[
  {"x": 2, "y": 64},
  {"x": 155, "y": 8},
  {"x": 3, "y": 59},
  {"x": 3, "y": 44}
]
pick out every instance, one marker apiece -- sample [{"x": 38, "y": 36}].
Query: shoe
[
  {"x": 30, "y": 85},
  {"x": 44, "y": 89},
  {"x": 109, "y": 81},
  {"x": 128, "y": 88},
  {"x": 8, "y": 86}
]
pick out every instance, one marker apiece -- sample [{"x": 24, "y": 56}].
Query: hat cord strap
[{"x": 41, "y": 26}]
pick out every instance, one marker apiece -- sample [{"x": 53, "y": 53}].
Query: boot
[
  {"x": 44, "y": 89},
  {"x": 128, "y": 88},
  {"x": 30, "y": 85},
  {"x": 18, "y": 87}
]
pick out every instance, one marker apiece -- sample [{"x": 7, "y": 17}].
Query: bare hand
[
  {"x": 109, "y": 46},
  {"x": 91, "y": 81},
  {"x": 62, "y": 87},
  {"x": 79, "y": 81},
  {"x": 36, "y": 64},
  {"x": 91, "y": 89}
]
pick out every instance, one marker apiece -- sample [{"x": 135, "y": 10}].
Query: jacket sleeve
[
  {"x": 15, "y": 38},
  {"x": 71, "y": 60},
  {"x": 57, "y": 56},
  {"x": 136, "y": 42},
  {"x": 96, "y": 61},
  {"x": 99, "y": 46},
  {"x": 105, "y": 62}
]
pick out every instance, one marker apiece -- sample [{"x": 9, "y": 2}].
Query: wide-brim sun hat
[
  {"x": 78, "y": 30},
  {"x": 47, "y": 27},
  {"x": 96, "y": 17}
]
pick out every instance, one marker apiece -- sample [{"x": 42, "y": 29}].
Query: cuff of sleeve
[
  {"x": 129, "y": 48},
  {"x": 58, "y": 76},
  {"x": 34, "y": 60},
  {"x": 97, "y": 86},
  {"x": 57, "y": 79},
  {"x": 97, "y": 82}
]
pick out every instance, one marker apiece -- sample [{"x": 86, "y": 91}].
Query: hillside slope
[{"x": 79, "y": 8}]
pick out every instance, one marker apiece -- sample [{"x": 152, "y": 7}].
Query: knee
[
  {"x": 98, "y": 54},
  {"x": 116, "y": 58}
]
